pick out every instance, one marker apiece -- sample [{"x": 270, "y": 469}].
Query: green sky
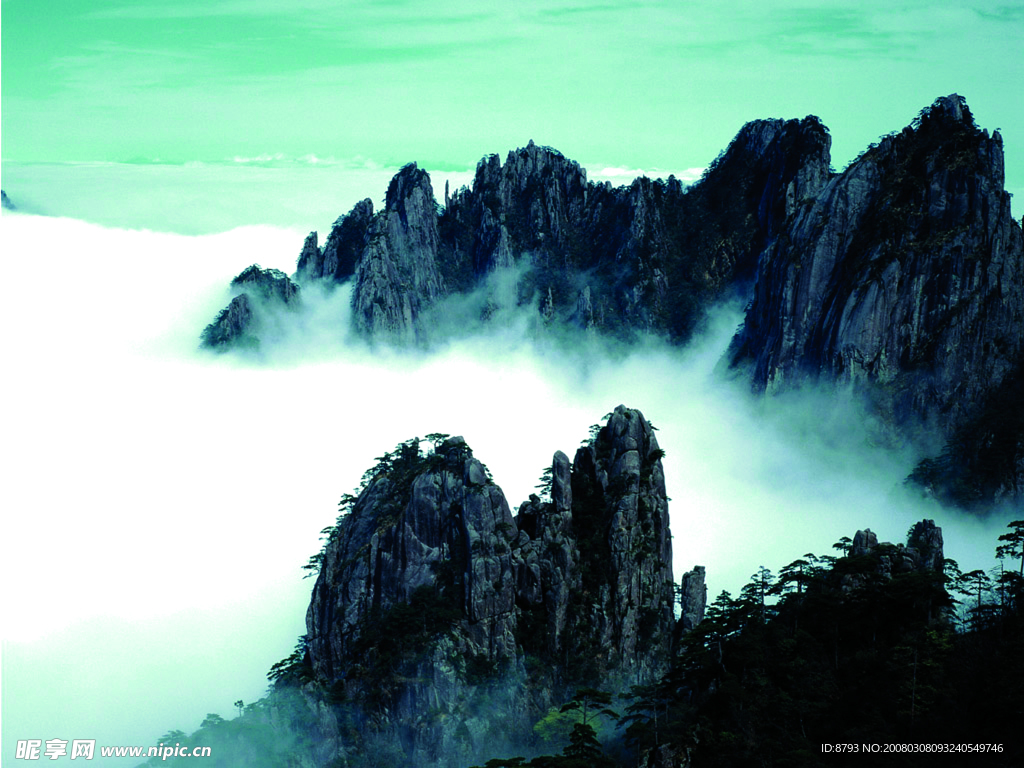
[{"x": 644, "y": 84}]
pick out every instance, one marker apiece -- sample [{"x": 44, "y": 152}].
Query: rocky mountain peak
[
  {"x": 410, "y": 181},
  {"x": 397, "y": 276},
  {"x": 431, "y": 595},
  {"x": 953, "y": 107},
  {"x": 923, "y": 553},
  {"x": 260, "y": 295},
  {"x": 904, "y": 277},
  {"x": 267, "y": 284}
]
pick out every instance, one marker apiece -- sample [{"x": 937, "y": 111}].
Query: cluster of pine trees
[
  {"x": 834, "y": 651},
  {"x": 831, "y": 650}
]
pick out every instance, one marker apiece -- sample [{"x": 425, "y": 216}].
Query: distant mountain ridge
[
  {"x": 613, "y": 259},
  {"x": 901, "y": 276}
]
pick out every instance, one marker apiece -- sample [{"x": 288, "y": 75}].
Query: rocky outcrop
[
  {"x": 923, "y": 553},
  {"x": 532, "y": 203},
  {"x": 397, "y": 276},
  {"x": 902, "y": 276},
  {"x": 431, "y": 596},
  {"x": 437, "y": 522},
  {"x": 906, "y": 274},
  {"x": 336, "y": 261},
  {"x": 310, "y": 263},
  {"x": 267, "y": 285},
  {"x": 233, "y": 327},
  {"x": 907, "y": 263},
  {"x": 647, "y": 257},
  {"x": 642, "y": 258},
  {"x": 693, "y": 598},
  {"x": 5, "y": 202},
  {"x": 260, "y": 294}
]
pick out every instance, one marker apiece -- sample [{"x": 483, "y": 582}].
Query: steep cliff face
[
  {"x": 693, "y": 598},
  {"x": 397, "y": 276},
  {"x": 598, "y": 566},
  {"x": 336, "y": 261},
  {"x": 431, "y": 598},
  {"x": 908, "y": 263},
  {"x": 725, "y": 221},
  {"x": 755, "y": 185},
  {"x": 906, "y": 273},
  {"x": 534, "y": 202},
  {"x": 433, "y": 521},
  {"x": 647, "y": 257}
]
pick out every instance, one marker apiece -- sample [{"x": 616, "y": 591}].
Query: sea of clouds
[{"x": 161, "y": 499}]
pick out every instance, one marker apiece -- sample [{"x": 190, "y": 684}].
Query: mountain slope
[
  {"x": 444, "y": 620},
  {"x": 905, "y": 277}
]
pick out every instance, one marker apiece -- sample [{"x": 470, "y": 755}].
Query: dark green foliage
[
  {"x": 481, "y": 670},
  {"x": 294, "y": 670},
  {"x": 843, "y": 656},
  {"x": 544, "y": 485},
  {"x": 592, "y": 704},
  {"x": 583, "y": 750},
  {"x": 830, "y": 651},
  {"x": 532, "y": 630}
]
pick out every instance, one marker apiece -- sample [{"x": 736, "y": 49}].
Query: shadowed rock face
[
  {"x": 693, "y": 598},
  {"x": 647, "y": 257},
  {"x": 905, "y": 274},
  {"x": 421, "y": 517},
  {"x": 337, "y": 260},
  {"x": 397, "y": 276},
  {"x": 431, "y": 595},
  {"x": 641, "y": 258}
]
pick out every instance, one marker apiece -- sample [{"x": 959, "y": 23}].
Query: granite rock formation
[
  {"x": 261, "y": 293},
  {"x": 397, "y": 276},
  {"x": 693, "y": 598},
  {"x": 904, "y": 276},
  {"x": 923, "y": 553},
  {"x": 336, "y": 261},
  {"x": 431, "y": 597},
  {"x": 643, "y": 258}
]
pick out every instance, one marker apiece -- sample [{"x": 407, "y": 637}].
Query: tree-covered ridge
[
  {"x": 843, "y": 650},
  {"x": 851, "y": 648},
  {"x": 854, "y": 649},
  {"x": 443, "y": 632},
  {"x": 399, "y": 467}
]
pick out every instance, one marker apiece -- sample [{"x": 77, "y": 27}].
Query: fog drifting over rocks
[{"x": 163, "y": 500}]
